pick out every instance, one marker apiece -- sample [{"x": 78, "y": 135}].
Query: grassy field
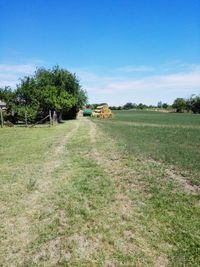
[
  {"x": 77, "y": 195},
  {"x": 165, "y": 137}
]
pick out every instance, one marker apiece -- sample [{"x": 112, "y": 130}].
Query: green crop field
[
  {"x": 94, "y": 192},
  {"x": 170, "y": 138}
]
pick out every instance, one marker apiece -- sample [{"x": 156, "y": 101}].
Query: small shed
[{"x": 2, "y": 105}]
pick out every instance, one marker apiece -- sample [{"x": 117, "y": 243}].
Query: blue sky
[{"x": 121, "y": 50}]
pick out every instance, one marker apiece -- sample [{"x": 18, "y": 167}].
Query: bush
[
  {"x": 8, "y": 124},
  {"x": 195, "y": 104},
  {"x": 179, "y": 104}
]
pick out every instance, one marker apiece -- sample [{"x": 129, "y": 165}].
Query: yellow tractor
[{"x": 102, "y": 112}]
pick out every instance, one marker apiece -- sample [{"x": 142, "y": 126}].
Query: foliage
[
  {"x": 179, "y": 104},
  {"x": 165, "y": 105},
  {"x": 195, "y": 104},
  {"x": 129, "y": 105},
  {"x": 115, "y": 107},
  {"x": 8, "y": 124},
  {"x": 6, "y": 94},
  {"x": 95, "y": 105},
  {"x": 54, "y": 89},
  {"x": 191, "y": 104},
  {"x": 141, "y": 106},
  {"x": 81, "y": 100}
]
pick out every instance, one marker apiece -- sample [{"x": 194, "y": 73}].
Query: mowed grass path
[{"x": 72, "y": 196}]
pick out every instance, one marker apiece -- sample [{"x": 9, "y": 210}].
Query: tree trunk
[
  {"x": 59, "y": 116},
  {"x": 54, "y": 116}
]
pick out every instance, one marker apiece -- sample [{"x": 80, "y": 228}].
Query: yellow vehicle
[{"x": 102, "y": 112}]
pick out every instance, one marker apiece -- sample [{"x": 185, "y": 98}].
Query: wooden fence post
[
  {"x": 50, "y": 122},
  {"x": 26, "y": 119},
  {"x": 1, "y": 117}
]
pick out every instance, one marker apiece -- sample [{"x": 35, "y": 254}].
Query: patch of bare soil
[{"x": 64, "y": 248}]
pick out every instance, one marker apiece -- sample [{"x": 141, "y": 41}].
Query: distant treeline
[
  {"x": 191, "y": 104},
  {"x": 130, "y": 105}
]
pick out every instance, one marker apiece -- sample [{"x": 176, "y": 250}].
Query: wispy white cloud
[
  {"x": 10, "y": 73},
  {"x": 190, "y": 79},
  {"x": 87, "y": 75},
  {"x": 166, "y": 86},
  {"x": 180, "y": 81},
  {"x": 130, "y": 69},
  {"x": 23, "y": 68}
]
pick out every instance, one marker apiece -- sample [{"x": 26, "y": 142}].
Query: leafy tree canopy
[{"x": 53, "y": 89}]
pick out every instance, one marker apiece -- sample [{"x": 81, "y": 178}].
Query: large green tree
[{"x": 56, "y": 89}]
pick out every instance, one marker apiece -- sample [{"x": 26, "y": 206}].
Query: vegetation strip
[{"x": 156, "y": 125}]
